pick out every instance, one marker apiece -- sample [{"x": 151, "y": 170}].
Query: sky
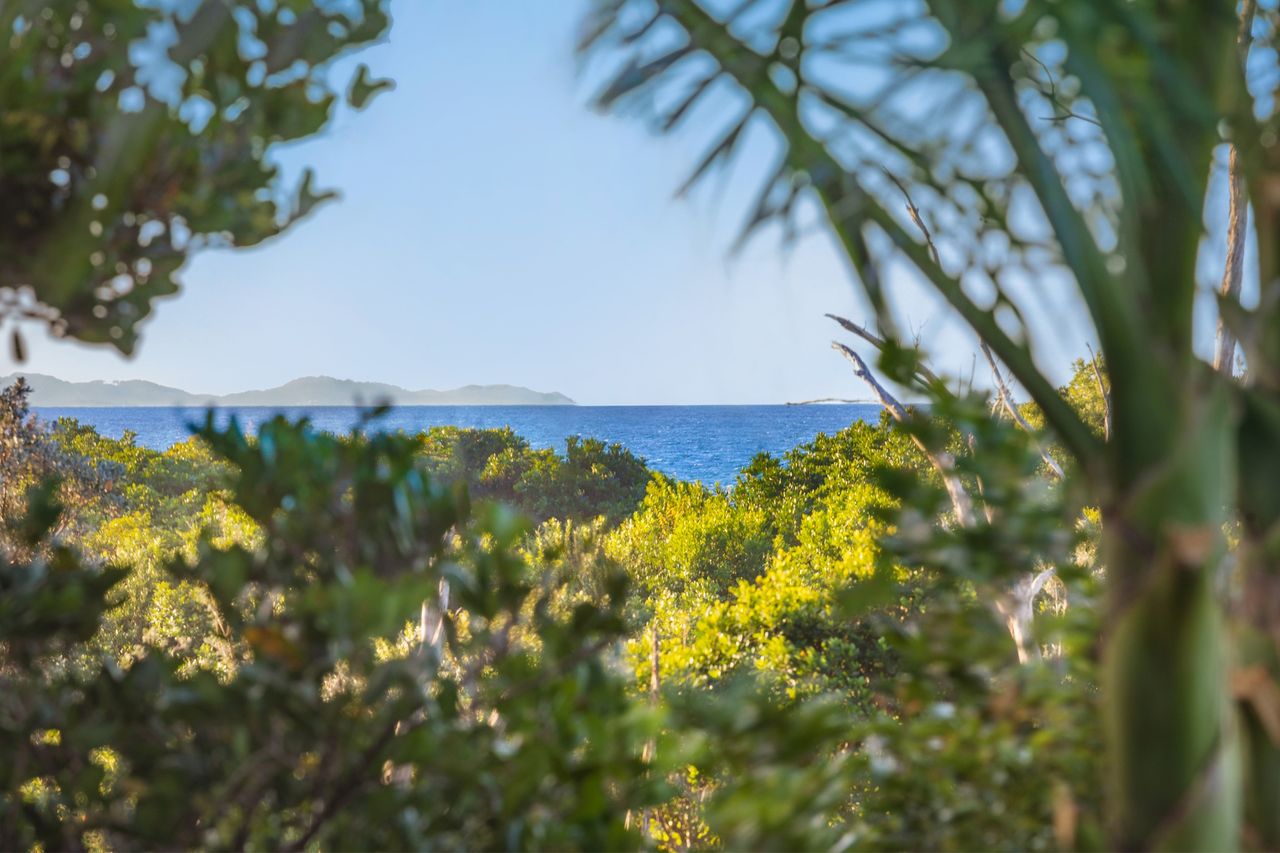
[{"x": 493, "y": 228}]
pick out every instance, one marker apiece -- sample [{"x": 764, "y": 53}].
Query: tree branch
[
  {"x": 1064, "y": 420},
  {"x": 1237, "y": 217},
  {"x": 1114, "y": 310},
  {"x": 849, "y": 208},
  {"x": 914, "y": 213},
  {"x": 1014, "y": 605},
  {"x": 1102, "y": 392},
  {"x": 924, "y": 375},
  {"x": 941, "y": 461},
  {"x": 1006, "y": 398}
]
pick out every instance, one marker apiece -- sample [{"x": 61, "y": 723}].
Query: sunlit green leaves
[{"x": 260, "y": 701}]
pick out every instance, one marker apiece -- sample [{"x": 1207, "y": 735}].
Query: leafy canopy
[{"x": 135, "y": 133}]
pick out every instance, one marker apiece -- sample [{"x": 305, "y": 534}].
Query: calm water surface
[{"x": 707, "y": 443}]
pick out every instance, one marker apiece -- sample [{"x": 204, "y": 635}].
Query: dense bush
[
  {"x": 830, "y": 668},
  {"x": 325, "y": 723},
  {"x": 591, "y": 479},
  {"x": 280, "y": 577}
]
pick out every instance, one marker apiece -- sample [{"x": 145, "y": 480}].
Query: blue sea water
[{"x": 706, "y": 443}]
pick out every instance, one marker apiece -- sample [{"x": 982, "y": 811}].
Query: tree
[
  {"x": 591, "y": 478},
  {"x": 332, "y": 721},
  {"x": 133, "y": 134},
  {"x": 1054, "y": 142},
  {"x": 34, "y": 465},
  {"x": 136, "y": 133}
]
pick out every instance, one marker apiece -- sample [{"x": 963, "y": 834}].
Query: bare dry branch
[
  {"x": 1233, "y": 272},
  {"x": 914, "y": 213},
  {"x": 1012, "y": 605},
  {"x": 924, "y": 374},
  {"x": 1237, "y": 216},
  {"x": 1006, "y": 399},
  {"x": 1102, "y": 391},
  {"x": 1015, "y": 607},
  {"x": 942, "y": 461}
]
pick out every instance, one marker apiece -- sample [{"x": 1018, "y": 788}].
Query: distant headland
[{"x": 49, "y": 391}]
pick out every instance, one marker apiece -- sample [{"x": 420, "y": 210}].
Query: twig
[
  {"x": 1052, "y": 95},
  {"x": 1102, "y": 390},
  {"x": 350, "y": 783},
  {"x": 1233, "y": 271},
  {"x": 914, "y": 213},
  {"x": 923, "y": 374},
  {"x": 1237, "y": 218}
]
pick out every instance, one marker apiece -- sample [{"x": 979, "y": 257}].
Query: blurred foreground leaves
[{"x": 137, "y": 132}]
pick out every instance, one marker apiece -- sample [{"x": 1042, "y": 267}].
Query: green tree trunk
[
  {"x": 1256, "y": 623},
  {"x": 1256, "y": 691},
  {"x": 1170, "y": 723}
]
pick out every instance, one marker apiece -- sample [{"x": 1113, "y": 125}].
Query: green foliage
[
  {"x": 591, "y": 478},
  {"x": 790, "y": 623},
  {"x": 458, "y": 454},
  {"x": 924, "y": 730},
  {"x": 982, "y": 146},
  {"x": 830, "y": 670},
  {"x": 690, "y": 542},
  {"x": 968, "y": 748},
  {"x": 135, "y": 133},
  {"x": 215, "y": 646},
  {"x": 317, "y": 734},
  {"x": 791, "y": 487},
  {"x": 573, "y": 557},
  {"x": 152, "y": 509},
  {"x": 30, "y": 459},
  {"x": 754, "y": 582},
  {"x": 1085, "y": 392},
  {"x": 780, "y": 785}
]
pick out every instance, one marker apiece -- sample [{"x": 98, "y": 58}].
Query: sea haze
[{"x": 706, "y": 443}]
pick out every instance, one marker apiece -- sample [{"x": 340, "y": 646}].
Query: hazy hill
[{"x": 309, "y": 391}]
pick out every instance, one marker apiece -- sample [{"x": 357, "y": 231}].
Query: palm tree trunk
[
  {"x": 1256, "y": 687},
  {"x": 1171, "y": 727},
  {"x": 1256, "y": 682},
  {"x": 1175, "y": 765}
]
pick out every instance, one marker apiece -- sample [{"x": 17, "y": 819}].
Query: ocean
[{"x": 706, "y": 443}]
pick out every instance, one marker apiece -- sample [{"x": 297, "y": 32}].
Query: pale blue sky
[{"x": 492, "y": 228}]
